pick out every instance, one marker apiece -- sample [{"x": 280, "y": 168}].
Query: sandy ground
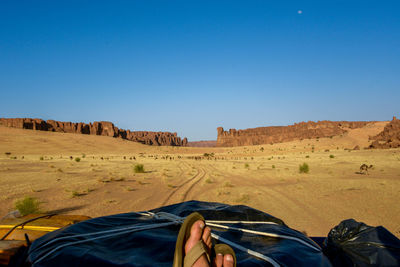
[{"x": 264, "y": 177}]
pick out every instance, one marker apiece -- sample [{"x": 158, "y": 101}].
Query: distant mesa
[
  {"x": 104, "y": 128},
  {"x": 207, "y": 143},
  {"x": 389, "y": 137},
  {"x": 280, "y": 134}
]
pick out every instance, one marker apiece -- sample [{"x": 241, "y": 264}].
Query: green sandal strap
[{"x": 194, "y": 254}]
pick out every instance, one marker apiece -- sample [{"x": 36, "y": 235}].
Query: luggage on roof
[
  {"x": 259, "y": 239},
  {"x": 148, "y": 239}
]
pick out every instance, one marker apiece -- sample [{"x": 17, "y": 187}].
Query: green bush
[
  {"x": 75, "y": 194},
  {"x": 304, "y": 168},
  {"x": 77, "y": 159},
  {"x": 246, "y": 165},
  {"x": 139, "y": 168},
  {"x": 273, "y": 166},
  {"x": 331, "y": 156},
  {"x": 27, "y": 205},
  {"x": 41, "y": 158}
]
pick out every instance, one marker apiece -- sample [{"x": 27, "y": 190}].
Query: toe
[
  {"x": 196, "y": 233},
  {"x": 228, "y": 260},
  {"x": 219, "y": 260},
  {"x": 207, "y": 238}
]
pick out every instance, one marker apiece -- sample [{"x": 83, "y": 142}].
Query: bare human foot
[{"x": 196, "y": 234}]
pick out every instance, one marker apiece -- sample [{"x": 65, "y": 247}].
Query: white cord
[
  {"x": 265, "y": 234},
  {"x": 104, "y": 236},
  {"x": 242, "y": 222},
  {"x": 249, "y": 251},
  {"x": 174, "y": 219}
]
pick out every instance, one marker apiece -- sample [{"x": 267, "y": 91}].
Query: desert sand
[{"x": 265, "y": 177}]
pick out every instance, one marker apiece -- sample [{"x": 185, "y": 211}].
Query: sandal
[
  {"x": 224, "y": 250},
  {"x": 180, "y": 259}
]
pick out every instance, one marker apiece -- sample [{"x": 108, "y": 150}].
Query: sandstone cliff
[
  {"x": 278, "y": 134},
  {"x": 104, "y": 128},
  {"x": 389, "y": 137}
]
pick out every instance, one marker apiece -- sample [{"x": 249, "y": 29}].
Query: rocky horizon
[
  {"x": 104, "y": 128},
  {"x": 305, "y": 130}
]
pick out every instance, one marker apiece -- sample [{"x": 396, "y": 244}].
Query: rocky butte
[
  {"x": 389, "y": 137},
  {"x": 104, "y": 128},
  {"x": 279, "y": 134}
]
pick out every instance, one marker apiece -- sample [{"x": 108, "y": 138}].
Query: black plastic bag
[{"x": 353, "y": 243}]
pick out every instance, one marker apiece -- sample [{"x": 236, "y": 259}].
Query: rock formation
[
  {"x": 389, "y": 137},
  {"x": 104, "y": 128},
  {"x": 279, "y": 134}
]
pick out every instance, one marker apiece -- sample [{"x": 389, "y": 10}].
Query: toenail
[
  {"x": 229, "y": 258},
  {"x": 201, "y": 225},
  {"x": 219, "y": 254}
]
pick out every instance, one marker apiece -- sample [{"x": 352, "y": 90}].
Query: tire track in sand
[
  {"x": 292, "y": 205},
  {"x": 185, "y": 187}
]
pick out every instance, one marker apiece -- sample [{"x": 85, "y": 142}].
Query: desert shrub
[
  {"x": 27, "y": 205},
  {"x": 41, "y": 158},
  {"x": 83, "y": 155},
  {"x": 331, "y": 156},
  {"x": 228, "y": 184},
  {"x": 307, "y": 156},
  {"x": 7, "y": 153},
  {"x": 304, "y": 168},
  {"x": 77, "y": 159},
  {"x": 273, "y": 166},
  {"x": 246, "y": 165},
  {"x": 75, "y": 194},
  {"x": 209, "y": 181},
  {"x": 139, "y": 168}
]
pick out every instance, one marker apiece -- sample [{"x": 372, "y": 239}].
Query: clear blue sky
[{"x": 191, "y": 66}]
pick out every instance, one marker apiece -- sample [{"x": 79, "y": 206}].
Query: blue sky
[{"x": 191, "y": 66}]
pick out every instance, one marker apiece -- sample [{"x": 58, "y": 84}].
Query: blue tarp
[{"x": 125, "y": 240}]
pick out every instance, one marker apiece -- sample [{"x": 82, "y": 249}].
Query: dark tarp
[
  {"x": 353, "y": 243},
  {"x": 155, "y": 247}
]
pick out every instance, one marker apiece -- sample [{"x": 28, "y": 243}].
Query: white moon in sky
[{"x": 300, "y": 12}]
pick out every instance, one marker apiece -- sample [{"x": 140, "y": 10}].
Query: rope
[
  {"x": 265, "y": 234},
  {"x": 100, "y": 237},
  {"x": 249, "y": 251},
  {"x": 242, "y": 222},
  {"x": 174, "y": 219},
  {"x": 31, "y": 227},
  {"x": 25, "y": 222}
]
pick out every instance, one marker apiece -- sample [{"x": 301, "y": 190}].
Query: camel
[{"x": 364, "y": 168}]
